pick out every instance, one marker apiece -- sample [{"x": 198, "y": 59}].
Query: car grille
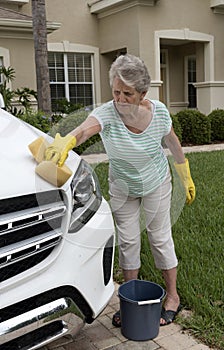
[{"x": 30, "y": 228}]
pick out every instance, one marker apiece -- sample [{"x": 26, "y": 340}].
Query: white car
[{"x": 56, "y": 245}]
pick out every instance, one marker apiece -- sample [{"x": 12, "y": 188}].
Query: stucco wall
[
  {"x": 77, "y": 24},
  {"x": 133, "y": 29},
  {"x": 118, "y": 31},
  {"x": 21, "y": 59}
]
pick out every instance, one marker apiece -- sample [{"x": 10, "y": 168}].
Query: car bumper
[
  {"x": 56, "y": 297},
  {"x": 42, "y": 325}
]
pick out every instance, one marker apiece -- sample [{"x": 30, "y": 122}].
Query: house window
[
  {"x": 191, "y": 73},
  {"x": 164, "y": 76},
  {"x": 1, "y": 64},
  {"x": 71, "y": 78}
]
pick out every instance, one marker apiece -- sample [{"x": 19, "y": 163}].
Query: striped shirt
[{"x": 137, "y": 161}]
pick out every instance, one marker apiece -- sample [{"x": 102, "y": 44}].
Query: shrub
[
  {"x": 184, "y": 118},
  {"x": 196, "y": 127},
  {"x": 177, "y": 127},
  {"x": 64, "y": 106},
  {"x": 37, "y": 119},
  {"x": 217, "y": 124},
  {"x": 201, "y": 133},
  {"x": 70, "y": 122}
]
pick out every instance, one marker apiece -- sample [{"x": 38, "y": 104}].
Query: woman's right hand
[{"x": 57, "y": 152}]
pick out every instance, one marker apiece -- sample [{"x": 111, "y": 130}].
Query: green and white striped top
[{"x": 137, "y": 161}]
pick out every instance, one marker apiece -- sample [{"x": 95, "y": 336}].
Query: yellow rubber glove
[
  {"x": 183, "y": 170},
  {"x": 57, "y": 152}
]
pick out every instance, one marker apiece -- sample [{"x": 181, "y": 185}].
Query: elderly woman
[{"x": 132, "y": 128}]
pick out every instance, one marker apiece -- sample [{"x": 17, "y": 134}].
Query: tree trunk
[{"x": 41, "y": 59}]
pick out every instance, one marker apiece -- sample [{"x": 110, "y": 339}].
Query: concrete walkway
[{"x": 101, "y": 334}]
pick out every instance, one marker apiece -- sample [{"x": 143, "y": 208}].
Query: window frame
[
  {"x": 5, "y": 61},
  {"x": 66, "y": 82},
  {"x": 164, "y": 66},
  {"x": 67, "y": 47},
  {"x": 187, "y": 82}
]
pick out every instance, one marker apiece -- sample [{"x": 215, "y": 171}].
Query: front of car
[{"x": 56, "y": 245}]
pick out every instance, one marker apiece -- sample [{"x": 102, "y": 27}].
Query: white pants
[{"x": 126, "y": 211}]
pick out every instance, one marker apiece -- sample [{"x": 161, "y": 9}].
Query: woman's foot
[
  {"x": 168, "y": 316},
  {"x": 170, "y": 310}
]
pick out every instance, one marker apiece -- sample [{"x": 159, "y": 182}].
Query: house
[{"x": 181, "y": 42}]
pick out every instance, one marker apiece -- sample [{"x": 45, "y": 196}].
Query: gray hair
[{"x": 132, "y": 71}]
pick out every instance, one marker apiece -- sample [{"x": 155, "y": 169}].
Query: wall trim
[
  {"x": 181, "y": 104},
  {"x": 4, "y": 53},
  {"x": 66, "y": 46},
  {"x": 156, "y": 83},
  {"x": 217, "y": 6},
  {"x": 210, "y": 84},
  {"x": 24, "y": 25},
  {"x": 103, "y": 8},
  {"x": 16, "y": 2}
]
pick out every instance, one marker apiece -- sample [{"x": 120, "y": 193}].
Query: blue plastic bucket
[{"x": 140, "y": 308}]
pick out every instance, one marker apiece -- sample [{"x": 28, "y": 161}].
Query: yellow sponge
[
  {"x": 54, "y": 174},
  {"x": 38, "y": 148},
  {"x": 48, "y": 170}
]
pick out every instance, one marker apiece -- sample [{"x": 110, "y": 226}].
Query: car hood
[{"x": 17, "y": 175}]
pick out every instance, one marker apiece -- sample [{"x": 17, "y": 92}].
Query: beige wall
[
  {"x": 77, "y": 24},
  {"x": 78, "y": 32},
  {"x": 181, "y": 27},
  {"x": 210, "y": 96},
  {"x": 21, "y": 58},
  {"x": 135, "y": 28},
  {"x": 105, "y": 64},
  {"x": 119, "y": 31}
]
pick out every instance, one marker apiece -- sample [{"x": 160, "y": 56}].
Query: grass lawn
[{"x": 198, "y": 231}]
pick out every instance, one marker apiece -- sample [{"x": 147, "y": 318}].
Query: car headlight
[{"x": 86, "y": 196}]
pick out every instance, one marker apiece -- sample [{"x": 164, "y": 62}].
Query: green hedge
[
  {"x": 70, "y": 122},
  {"x": 217, "y": 124},
  {"x": 196, "y": 127},
  {"x": 36, "y": 119},
  {"x": 177, "y": 127}
]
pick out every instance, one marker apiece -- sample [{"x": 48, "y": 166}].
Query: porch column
[
  {"x": 210, "y": 96},
  {"x": 153, "y": 92}
]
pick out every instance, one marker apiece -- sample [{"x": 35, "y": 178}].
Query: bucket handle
[{"x": 146, "y": 302}]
